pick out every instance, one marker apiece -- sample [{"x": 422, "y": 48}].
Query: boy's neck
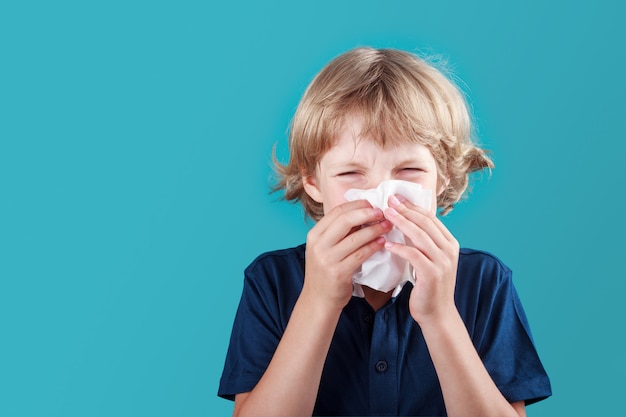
[{"x": 376, "y": 299}]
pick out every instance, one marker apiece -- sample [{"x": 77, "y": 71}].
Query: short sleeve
[
  {"x": 260, "y": 321},
  {"x": 502, "y": 337}
]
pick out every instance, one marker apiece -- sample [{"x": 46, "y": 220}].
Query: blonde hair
[{"x": 400, "y": 98}]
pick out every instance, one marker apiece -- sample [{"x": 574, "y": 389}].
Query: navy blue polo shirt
[{"x": 378, "y": 362}]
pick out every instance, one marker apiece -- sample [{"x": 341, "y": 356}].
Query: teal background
[{"x": 135, "y": 143}]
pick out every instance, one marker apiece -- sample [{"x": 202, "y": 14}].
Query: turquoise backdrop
[{"x": 135, "y": 144}]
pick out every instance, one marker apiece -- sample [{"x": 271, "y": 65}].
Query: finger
[
  {"x": 348, "y": 206},
  {"x": 361, "y": 237},
  {"x": 343, "y": 220},
  {"x": 356, "y": 258},
  {"x": 330, "y": 217},
  {"x": 418, "y": 259},
  {"x": 423, "y": 218},
  {"x": 412, "y": 211},
  {"x": 417, "y": 236},
  {"x": 414, "y": 221},
  {"x": 442, "y": 228}
]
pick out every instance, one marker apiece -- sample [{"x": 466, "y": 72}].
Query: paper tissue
[{"x": 385, "y": 271}]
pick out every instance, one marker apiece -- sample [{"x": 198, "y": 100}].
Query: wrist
[
  {"x": 446, "y": 319},
  {"x": 317, "y": 306}
]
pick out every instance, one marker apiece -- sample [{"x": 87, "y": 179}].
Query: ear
[{"x": 312, "y": 188}]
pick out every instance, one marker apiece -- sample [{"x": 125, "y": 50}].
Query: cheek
[
  {"x": 433, "y": 202},
  {"x": 334, "y": 198},
  {"x": 436, "y": 187}
]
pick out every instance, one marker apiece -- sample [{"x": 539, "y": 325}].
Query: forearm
[
  {"x": 290, "y": 384},
  {"x": 467, "y": 387}
]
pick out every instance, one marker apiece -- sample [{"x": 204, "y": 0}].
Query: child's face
[{"x": 354, "y": 163}]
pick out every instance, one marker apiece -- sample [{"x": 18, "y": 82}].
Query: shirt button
[
  {"x": 381, "y": 366},
  {"x": 368, "y": 318}
]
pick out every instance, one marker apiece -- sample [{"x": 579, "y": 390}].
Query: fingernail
[
  {"x": 388, "y": 244},
  {"x": 386, "y": 224}
]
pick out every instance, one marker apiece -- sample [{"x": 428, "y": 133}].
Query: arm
[
  {"x": 336, "y": 246},
  {"x": 466, "y": 385},
  {"x": 290, "y": 383}
]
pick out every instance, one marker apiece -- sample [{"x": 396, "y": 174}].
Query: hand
[
  {"x": 336, "y": 246},
  {"x": 434, "y": 254}
]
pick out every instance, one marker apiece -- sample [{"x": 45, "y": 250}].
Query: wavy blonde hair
[{"x": 400, "y": 98}]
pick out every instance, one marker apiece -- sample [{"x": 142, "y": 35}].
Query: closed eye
[{"x": 410, "y": 173}]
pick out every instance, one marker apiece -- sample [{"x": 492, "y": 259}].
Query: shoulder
[
  {"x": 282, "y": 268},
  {"x": 473, "y": 260},
  {"x": 480, "y": 272},
  {"x": 282, "y": 258}
]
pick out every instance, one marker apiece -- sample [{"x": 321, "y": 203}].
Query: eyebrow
[
  {"x": 410, "y": 161},
  {"x": 346, "y": 165},
  {"x": 417, "y": 159}
]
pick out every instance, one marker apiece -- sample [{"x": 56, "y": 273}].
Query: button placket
[{"x": 383, "y": 362}]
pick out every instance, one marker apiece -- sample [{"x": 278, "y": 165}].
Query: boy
[{"x": 452, "y": 340}]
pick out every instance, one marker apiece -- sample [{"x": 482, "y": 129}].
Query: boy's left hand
[{"x": 433, "y": 252}]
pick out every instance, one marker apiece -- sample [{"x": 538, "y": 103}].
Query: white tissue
[{"x": 384, "y": 271}]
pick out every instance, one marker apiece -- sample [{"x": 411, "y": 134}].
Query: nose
[{"x": 376, "y": 179}]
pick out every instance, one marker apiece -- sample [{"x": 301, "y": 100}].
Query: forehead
[{"x": 352, "y": 147}]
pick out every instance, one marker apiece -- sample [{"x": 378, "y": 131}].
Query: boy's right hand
[{"x": 337, "y": 246}]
